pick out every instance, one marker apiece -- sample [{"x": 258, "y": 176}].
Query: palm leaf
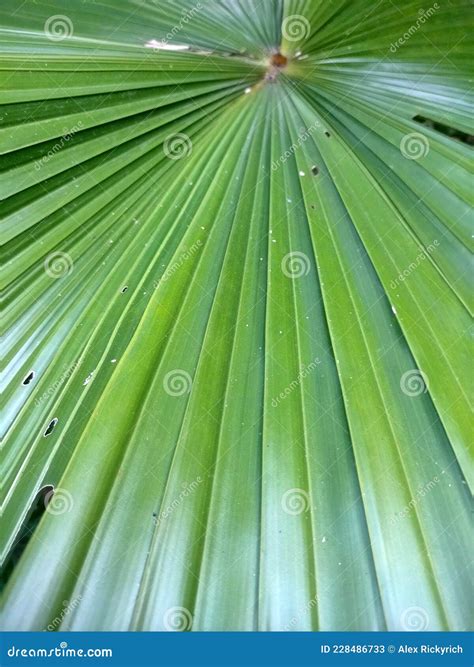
[{"x": 236, "y": 303}]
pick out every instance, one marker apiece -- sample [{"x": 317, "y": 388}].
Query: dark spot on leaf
[
  {"x": 277, "y": 60},
  {"x": 315, "y": 170},
  {"x": 124, "y": 289},
  {"x": 51, "y": 426},
  {"x": 28, "y": 378},
  {"x": 328, "y": 134}
]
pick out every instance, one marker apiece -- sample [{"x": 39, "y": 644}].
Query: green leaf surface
[{"x": 236, "y": 315}]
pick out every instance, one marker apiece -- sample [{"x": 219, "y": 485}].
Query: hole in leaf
[
  {"x": 50, "y": 427},
  {"x": 448, "y": 131},
  {"x": 36, "y": 511},
  {"x": 315, "y": 170},
  {"x": 28, "y": 378}
]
